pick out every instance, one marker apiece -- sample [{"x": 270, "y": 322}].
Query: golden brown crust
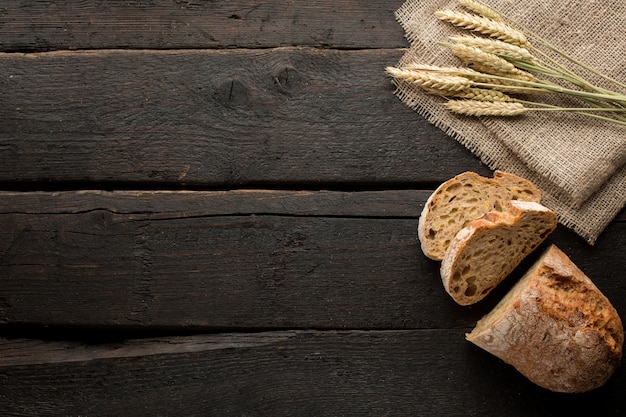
[{"x": 555, "y": 327}]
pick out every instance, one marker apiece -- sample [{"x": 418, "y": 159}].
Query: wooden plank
[
  {"x": 179, "y": 204},
  {"x": 162, "y": 24},
  {"x": 243, "y": 260},
  {"x": 292, "y": 373},
  {"x": 216, "y": 118}
]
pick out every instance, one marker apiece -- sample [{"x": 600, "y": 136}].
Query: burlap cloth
[{"x": 578, "y": 162}]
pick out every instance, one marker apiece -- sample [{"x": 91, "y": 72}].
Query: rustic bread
[
  {"x": 487, "y": 250},
  {"x": 555, "y": 327},
  {"x": 462, "y": 199}
]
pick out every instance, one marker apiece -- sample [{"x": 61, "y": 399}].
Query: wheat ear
[
  {"x": 485, "y": 108},
  {"x": 496, "y": 47},
  {"x": 481, "y": 9},
  {"x": 430, "y": 80},
  {"x": 483, "y": 25},
  {"x": 472, "y": 75},
  {"x": 483, "y": 94},
  {"x": 479, "y": 94},
  {"x": 487, "y": 62},
  {"x": 458, "y": 71}
]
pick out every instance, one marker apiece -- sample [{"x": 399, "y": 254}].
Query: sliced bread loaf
[
  {"x": 462, "y": 199},
  {"x": 555, "y": 327},
  {"x": 487, "y": 250}
]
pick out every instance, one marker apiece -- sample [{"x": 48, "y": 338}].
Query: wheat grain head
[
  {"x": 430, "y": 80},
  {"x": 496, "y": 47},
  {"x": 485, "y": 108},
  {"x": 481, "y": 9},
  {"x": 489, "y": 63},
  {"x": 483, "y": 25}
]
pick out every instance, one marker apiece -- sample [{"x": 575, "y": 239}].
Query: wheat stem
[
  {"x": 555, "y": 88},
  {"x": 545, "y": 106},
  {"x": 584, "y": 111},
  {"x": 582, "y": 65},
  {"x": 485, "y": 108},
  {"x": 504, "y": 63},
  {"x": 537, "y": 39}
]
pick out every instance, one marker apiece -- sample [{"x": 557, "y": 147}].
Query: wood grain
[
  {"x": 216, "y": 119},
  {"x": 291, "y": 373},
  {"x": 239, "y": 260},
  {"x": 183, "y": 24},
  {"x": 285, "y": 303}
]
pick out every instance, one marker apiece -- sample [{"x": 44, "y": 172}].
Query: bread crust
[
  {"x": 488, "y": 249},
  {"x": 462, "y": 199},
  {"x": 555, "y": 327}
]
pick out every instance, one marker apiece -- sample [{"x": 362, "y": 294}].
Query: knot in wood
[
  {"x": 233, "y": 92},
  {"x": 287, "y": 78}
]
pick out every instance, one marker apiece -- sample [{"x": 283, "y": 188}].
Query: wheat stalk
[
  {"x": 485, "y": 108},
  {"x": 494, "y": 108},
  {"x": 537, "y": 39},
  {"x": 483, "y": 25},
  {"x": 481, "y": 9},
  {"x": 504, "y": 64}
]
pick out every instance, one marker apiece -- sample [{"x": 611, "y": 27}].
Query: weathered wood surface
[
  {"x": 334, "y": 373},
  {"x": 299, "y": 303},
  {"x": 216, "y": 118},
  {"x": 238, "y": 259},
  {"x": 183, "y": 24}
]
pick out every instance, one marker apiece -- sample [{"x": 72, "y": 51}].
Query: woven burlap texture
[{"x": 578, "y": 162}]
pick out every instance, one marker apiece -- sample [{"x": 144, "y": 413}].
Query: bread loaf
[
  {"x": 462, "y": 199},
  {"x": 487, "y": 250},
  {"x": 555, "y": 327}
]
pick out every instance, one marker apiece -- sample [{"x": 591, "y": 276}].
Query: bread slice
[
  {"x": 462, "y": 199},
  {"x": 555, "y": 327},
  {"x": 487, "y": 250}
]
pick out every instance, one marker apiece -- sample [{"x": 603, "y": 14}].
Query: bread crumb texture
[
  {"x": 464, "y": 198},
  {"x": 485, "y": 252}
]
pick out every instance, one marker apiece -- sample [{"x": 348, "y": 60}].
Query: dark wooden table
[{"x": 209, "y": 208}]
